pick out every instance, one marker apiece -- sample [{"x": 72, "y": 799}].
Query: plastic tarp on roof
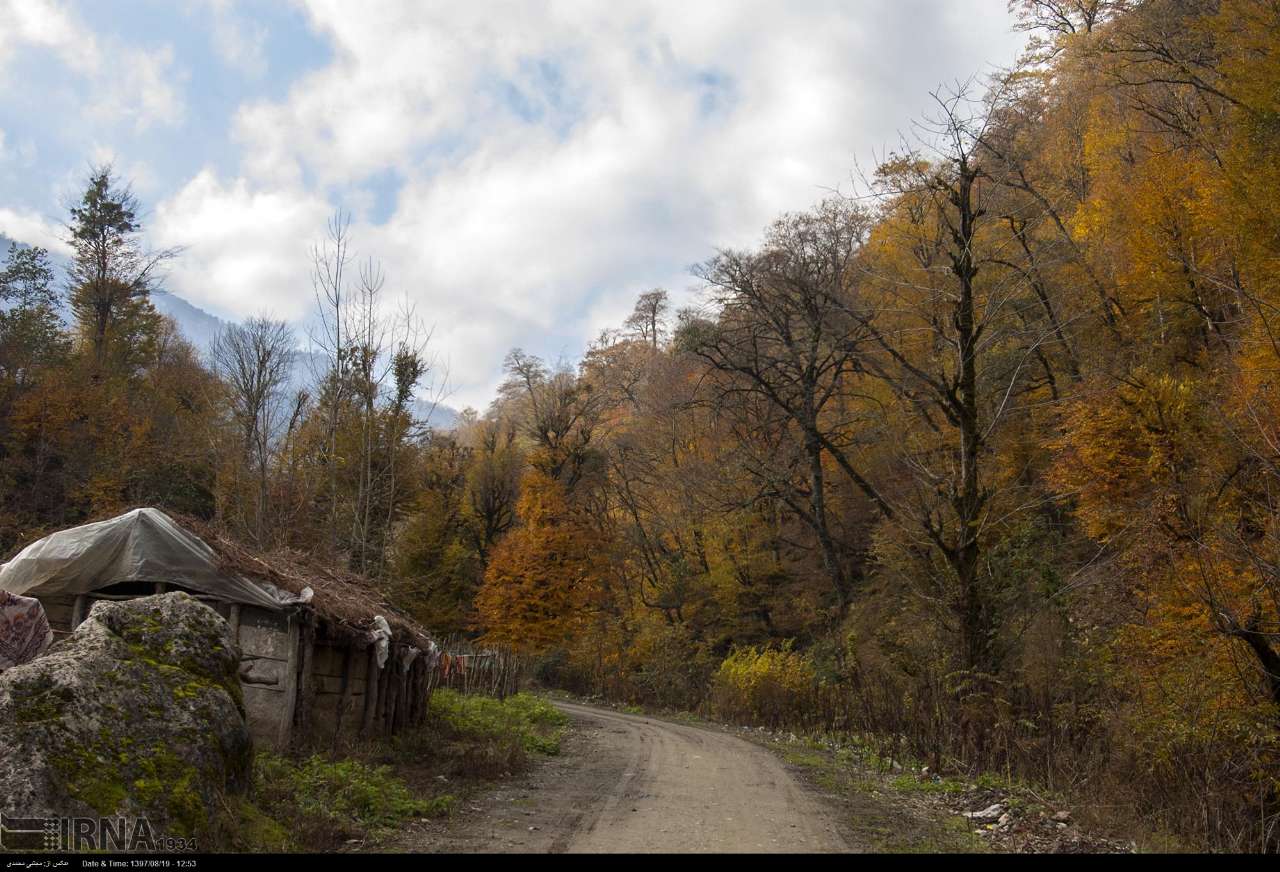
[{"x": 142, "y": 545}]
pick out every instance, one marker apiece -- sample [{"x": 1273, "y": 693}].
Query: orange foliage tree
[{"x": 543, "y": 578}]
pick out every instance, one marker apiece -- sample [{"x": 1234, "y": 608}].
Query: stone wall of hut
[{"x": 306, "y": 683}]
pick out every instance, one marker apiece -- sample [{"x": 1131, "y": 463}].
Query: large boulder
[{"x": 137, "y": 714}]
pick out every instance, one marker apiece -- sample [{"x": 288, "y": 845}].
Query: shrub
[
  {"x": 670, "y": 670},
  {"x": 772, "y": 687}
]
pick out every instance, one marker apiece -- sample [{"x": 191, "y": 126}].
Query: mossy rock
[{"x": 138, "y": 713}]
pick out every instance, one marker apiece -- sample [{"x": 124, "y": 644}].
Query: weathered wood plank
[
  {"x": 290, "y": 685},
  {"x": 306, "y": 683},
  {"x": 370, "y": 691},
  {"x": 344, "y": 701}
]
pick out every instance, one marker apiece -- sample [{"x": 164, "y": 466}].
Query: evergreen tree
[{"x": 113, "y": 274}]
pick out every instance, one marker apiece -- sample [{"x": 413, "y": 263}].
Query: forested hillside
[{"x": 983, "y": 454}]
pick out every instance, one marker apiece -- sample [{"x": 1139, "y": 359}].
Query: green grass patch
[
  {"x": 250, "y": 830},
  {"x": 915, "y": 784},
  {"x": 530, "y": 721},
  {"x": 477, "y": 738},
  {"x": 325, "y": 801}
]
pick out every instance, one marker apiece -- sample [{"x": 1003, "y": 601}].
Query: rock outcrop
[{"x": 137, "y": 714}]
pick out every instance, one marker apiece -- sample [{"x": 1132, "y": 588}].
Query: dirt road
[{"x": 628, "y": 783}]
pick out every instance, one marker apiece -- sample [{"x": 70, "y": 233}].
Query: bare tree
[
  {"x": 368, "y": 363},
  {"x": 410, "y": 366},
  {"x": 330, "y": 263},
  {"x": 1061, "y": 17},
  {"x": 493, "y": 482},
  {"x": 255, "y": 360},
  {"x": 559, "y": 412},
  {"x": 648, "y": 319},
  {"x": 786, "y": 345}
]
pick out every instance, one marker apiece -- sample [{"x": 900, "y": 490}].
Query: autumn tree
[
  {"x": 436, "y": 566},
  {"x": 544, "y": 577},
  {"x": 942, "y": 310},
  {"x": 492, "y": 483}
]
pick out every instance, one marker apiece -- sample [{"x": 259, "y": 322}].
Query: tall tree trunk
[
  {"x": 968, "y": 500},
  {"x": 818, "y": 506}
]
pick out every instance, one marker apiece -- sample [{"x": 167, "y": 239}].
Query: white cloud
[
  {"x": 246, "y": 251},
  {"x": 46, "y": 24},
  {"x": 34, "y": 229},
  {"x": 123, "y": 82},
  {"x": 558, "y": 158},
  {"x": 239, "y": 41}
]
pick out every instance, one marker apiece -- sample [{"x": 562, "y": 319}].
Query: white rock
[{"x": 988, "y": 815}]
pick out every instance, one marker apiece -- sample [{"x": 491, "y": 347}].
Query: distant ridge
[{"x": 198, "y": 326}]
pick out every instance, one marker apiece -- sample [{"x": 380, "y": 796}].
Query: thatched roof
[{"x": 345, "y": 598}]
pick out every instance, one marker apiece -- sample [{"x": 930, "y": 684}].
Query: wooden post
[
  {"x": 415, "y": 692},
  {"x": 161, "y": 587},
  {"x": 384, "y": 694},
  {"x": 344, "y": 701},
  {"x": 370, "y": 691},
  {"x": 397, "y": 709},
  {"x": 421, "y": 692},
  {"x": 306, "y": 684},
  {"x": 402, "y": 701},
  {"x": 285, "y": 735},
  {"x": 79, "y": 611},
  {"x": 411, "y": 694},
  {"x": 386, "y": 690},
  {"x": 234, "y": 620}
]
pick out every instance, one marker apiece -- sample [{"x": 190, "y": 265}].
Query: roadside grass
[
  {"x": 321, "y": 803},
  {"x": 894, "y": 803},
  {"x": 331, "y": 801},
  {"x": 478, "y": 737},
  {"x": 880, "y": 811},
  {"x": 914, "y": 784}
]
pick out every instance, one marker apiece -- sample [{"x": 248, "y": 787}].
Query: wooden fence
[{"x": 466, "y": 669}]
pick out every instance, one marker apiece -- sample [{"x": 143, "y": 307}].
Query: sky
[{"x": 521, "y": 170}]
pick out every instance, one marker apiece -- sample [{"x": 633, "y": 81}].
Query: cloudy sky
[{"x": 521, "y": 169}]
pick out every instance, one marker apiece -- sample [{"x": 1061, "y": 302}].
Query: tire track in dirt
[{"x": 628, "y": 783}]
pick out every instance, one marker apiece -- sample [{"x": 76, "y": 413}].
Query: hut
[{"x": 323, "y": 656}]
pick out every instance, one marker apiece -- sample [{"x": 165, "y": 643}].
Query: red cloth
[{"x": 24, "y": 630}]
